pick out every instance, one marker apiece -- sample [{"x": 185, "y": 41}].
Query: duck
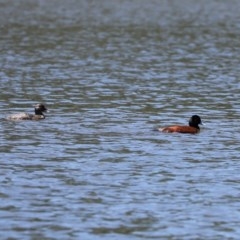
[
  {"x": 193, "y": 127},
  {"x": 38, "y": 108}
]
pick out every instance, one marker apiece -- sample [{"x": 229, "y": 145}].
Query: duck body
[
  {"x": 39, "y": 109},
  {"x": 180, "y": 129},
  {"x": 193, "y": 127}
]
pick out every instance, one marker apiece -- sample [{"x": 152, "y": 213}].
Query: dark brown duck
[{"x": 193, "y": 127}]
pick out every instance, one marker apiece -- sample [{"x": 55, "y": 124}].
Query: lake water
[{"x": 110, "y": 72}]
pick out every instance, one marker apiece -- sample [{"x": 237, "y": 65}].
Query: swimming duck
[
  {"x": 193, "y": 127},
  {"x": 39, "y": 109}
]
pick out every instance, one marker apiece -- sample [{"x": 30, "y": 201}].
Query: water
[{"x": 111, "y": 72}]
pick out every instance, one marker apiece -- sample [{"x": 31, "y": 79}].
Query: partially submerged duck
[
  {"x": 39, "y": 109},
  {"x": 193, "y": 127}
]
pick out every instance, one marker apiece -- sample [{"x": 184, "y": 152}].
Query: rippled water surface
[{"x": 110, "y": 72}]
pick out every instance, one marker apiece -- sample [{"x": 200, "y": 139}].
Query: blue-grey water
[{"x": 110, "y": 72}]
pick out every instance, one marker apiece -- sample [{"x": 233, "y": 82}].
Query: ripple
[{"x": 110, "y": 74}]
